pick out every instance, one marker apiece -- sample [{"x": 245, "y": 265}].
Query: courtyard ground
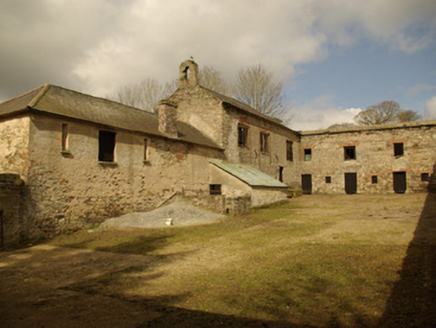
[{"x": 315, "y": 261}]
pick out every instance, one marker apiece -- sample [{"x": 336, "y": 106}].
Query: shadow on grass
[{"x": 413, "y": 299}]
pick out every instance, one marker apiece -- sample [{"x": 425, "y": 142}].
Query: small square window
[
  {"x": 398, "y": 149},
  {"x": 307, "y": 154},
  {"x": 350, "y": 152},
  {"x": 328, "y": 179},
  {"x": 289, "y": 152},
  {"x": 425, "y": 177},
  {"x": 264, "y": 146},
  {"x": 374, "y": 179},
  {"x": 242, "y": 135},
  {"x": 215, "y": 189}
]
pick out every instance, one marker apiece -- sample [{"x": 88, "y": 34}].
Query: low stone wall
[{"x": 11, "y": 202}]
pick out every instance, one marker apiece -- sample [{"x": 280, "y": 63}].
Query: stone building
[
  {"x": 69, "y": 159},
  {"x": 373, "y": 159}
]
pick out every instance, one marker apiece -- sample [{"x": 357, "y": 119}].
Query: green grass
[{"x": 279, "y": 264}]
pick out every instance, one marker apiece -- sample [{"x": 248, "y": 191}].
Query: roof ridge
[
  {"x": 24, "y": 94},
  {"x": 40, "y": 94}
]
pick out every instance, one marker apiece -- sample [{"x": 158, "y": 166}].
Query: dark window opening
[
  {"x": 106, "y": 144},
  {"x": 307, "y": 154},
  {"x": 264, "y": 147},
  {"x": 350, "y": 152},
  {"x": 215, "y": 189},
  {"x": 64, "y": 137},
  {"x": 1, "y": 230},
  {"x": 281, "y": 173},
  {"x": 328, "y": 179},
  {"x": 289, "y": 151},
  {"x": 425, "y": 177},
  {"x": 145, "y": 149},
  {"x": 398, "y": 149},
  {"x": 374, "y": 179},
  {"x": 242, "y": 135}
]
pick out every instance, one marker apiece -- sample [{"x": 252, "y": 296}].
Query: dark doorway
[
  {"x": 400, "y": 182},
  {"x": 281, "y": 173},
  {"x": 306, "y": 184},
  {"x": 2, "y": 243},
  {"x": 351, "y": 183}
]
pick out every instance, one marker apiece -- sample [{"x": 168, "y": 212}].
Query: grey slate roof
[
  {"x": 378, "y": 127},
  {"x": 63, "y": 102},
  {"x": 248, "y": 174},
  {"x": 243, "y": 107}
]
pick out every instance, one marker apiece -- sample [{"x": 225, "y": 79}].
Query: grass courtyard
[{"x": 315, "y": 261}]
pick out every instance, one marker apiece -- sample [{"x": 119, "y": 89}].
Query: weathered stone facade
[
  {"x": 78, "y": 159},
  {"x": 375, "y": 163}
]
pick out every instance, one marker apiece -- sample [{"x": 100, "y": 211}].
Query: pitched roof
[
  {"x": 248, "y": 174},
  {"x": 60, "y": 101},
  {"x": 243, "y": 107}
]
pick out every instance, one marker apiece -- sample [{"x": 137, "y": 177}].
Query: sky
[{"x": 335, "y": 57}]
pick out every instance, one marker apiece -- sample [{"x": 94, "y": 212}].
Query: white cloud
[
  {"x": 320, "y": 113},
  {"x": 97, "y": 46},
  {"x": 419, "y": 89},
  {"x": 430, "y": 107}
]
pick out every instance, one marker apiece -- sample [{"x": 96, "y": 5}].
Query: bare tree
[
  {"x": 408, "y": 116},
  {"x": 387, "y": 111},
  {"x": 145, "y": 94},
  {"x": 211, "y": 78},
  {"x": 257, "y": 87}
]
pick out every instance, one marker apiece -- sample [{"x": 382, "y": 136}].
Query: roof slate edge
[
  {"x": 44, "y": 88},
  {"x": 391, "y": 126},
  {"x": 254, "y": 113}
]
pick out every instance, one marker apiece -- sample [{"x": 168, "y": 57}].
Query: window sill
[
  {"x": 104, "y": 163},
  {"x": 66, "y": 153}
]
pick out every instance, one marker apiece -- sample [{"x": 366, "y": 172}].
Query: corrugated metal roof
[
  {"x": 60, "y": 101},
  {"x": 249, "y": 175}
]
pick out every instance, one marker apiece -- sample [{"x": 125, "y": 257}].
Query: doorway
[
  {"x": 306, "y": 184},
  {"x": 400, "y": 182},
  {"x": 351, "y": 183}
]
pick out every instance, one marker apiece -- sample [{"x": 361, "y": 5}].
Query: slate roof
[
  {"x": 243, "y": 107},
  {"x": 248, "y": 174},
  {"x": 63, "y": 102},
  {"x": 378, "y": 127}
]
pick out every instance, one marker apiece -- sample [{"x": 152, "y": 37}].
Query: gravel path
[{"x": 177, "y": 214}]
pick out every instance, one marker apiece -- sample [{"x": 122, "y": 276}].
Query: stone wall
[
  {"x": 198, "y": 107},
  {"x": 270, "y": 161},
  {"x": 72, "y": 188},
  {"x": 14, "y": 145},
  {"x": 374, "y": 157}
]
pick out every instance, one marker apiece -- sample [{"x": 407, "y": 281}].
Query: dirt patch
[{"x": 178, "y": 214}]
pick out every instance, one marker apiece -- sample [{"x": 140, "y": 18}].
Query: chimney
[
  {"x": 167, "y": 115},
  {"x": 188, "y": 74}
]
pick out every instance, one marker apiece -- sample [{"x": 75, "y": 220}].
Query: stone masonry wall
[
  {"x": 70, "y": 189},
  {"x": 14, "y": 144},
  {"x": 267, "y": 162},
  {"x": 374, "y": 157}
]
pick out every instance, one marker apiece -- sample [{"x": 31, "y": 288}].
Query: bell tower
[{"x": 188, "y": 74}]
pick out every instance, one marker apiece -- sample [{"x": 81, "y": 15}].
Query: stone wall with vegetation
[
  {"x": 69, "y": 189},
  {"x": 375, "y": 156}
]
